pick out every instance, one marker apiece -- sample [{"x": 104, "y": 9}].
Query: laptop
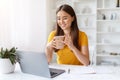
[{"x": 35, "y": 63}]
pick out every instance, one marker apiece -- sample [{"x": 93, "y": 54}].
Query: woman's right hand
[
  {"x": 49, "y": 51},
  {"x": 57, "y": 42}
]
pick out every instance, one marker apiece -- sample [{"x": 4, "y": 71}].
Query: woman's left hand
[{"x": 68, "y": 41}]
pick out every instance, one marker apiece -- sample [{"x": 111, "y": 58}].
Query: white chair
[{"x": 92, "y": 55}]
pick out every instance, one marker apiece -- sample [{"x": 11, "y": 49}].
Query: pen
[{"x": 68, "y": 71}]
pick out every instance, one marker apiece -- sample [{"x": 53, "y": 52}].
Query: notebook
[{"x": 35, "y": 63}]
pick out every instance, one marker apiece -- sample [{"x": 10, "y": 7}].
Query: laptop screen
[{"x": 36, "y": 63}]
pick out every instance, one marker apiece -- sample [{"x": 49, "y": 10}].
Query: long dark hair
[{"x": 74, "y": 27}]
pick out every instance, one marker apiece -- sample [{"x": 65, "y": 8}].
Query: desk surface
[{"x": 76, "y": 73}]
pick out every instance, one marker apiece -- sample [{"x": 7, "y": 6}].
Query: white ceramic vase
[{"x": 6, "y": 66}]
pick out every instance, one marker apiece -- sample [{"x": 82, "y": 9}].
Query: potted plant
[{"x": 8, "y": 60}]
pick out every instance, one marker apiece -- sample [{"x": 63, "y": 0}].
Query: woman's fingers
[
  {"x": 67, "y": 39},
  {"x": 53, "y": 43}
]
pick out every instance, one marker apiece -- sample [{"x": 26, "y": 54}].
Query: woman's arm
[
  {"x": 49, "y": 51},
  {"x": 50, "y": 48},
  {"x": 83, "y": 55}
]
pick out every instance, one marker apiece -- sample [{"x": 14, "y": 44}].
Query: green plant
[{"x": 10, "y": 54}]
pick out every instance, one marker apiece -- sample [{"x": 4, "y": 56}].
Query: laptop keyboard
[
  {"x": 52, "y": 73},
  {"x": 55, "y": 72}
]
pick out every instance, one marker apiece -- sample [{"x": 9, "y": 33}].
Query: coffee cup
[{"x": 59, "y": 42}]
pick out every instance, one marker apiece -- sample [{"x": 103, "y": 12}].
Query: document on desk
[
  {"x": 104, "y": 70},
  {"x": 91, "y": 70},
  {"x": 83, "y": 70}
]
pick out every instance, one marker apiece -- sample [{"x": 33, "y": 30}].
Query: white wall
[
  {"x": 23, "y": 24},
  {"x": 4, "y": 23}
]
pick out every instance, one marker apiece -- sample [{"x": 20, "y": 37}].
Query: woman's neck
[{"x": 66, "y": 32}]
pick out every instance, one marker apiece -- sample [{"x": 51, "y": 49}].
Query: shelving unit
[
  {"x": 108, "y": 30},
  {"x": 100, "y": 19}
]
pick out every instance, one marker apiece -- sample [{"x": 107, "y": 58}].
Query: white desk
[{"x": 76, "y": 73}]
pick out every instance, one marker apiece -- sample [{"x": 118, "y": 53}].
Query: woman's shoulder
[
  {"x": 83, "y": 39},
  {"x": 82, "y": 33},
  {"x": 52, "y": 33}
]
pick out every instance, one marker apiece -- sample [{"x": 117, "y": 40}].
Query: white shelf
[
  {"x": 108, "y": 30},
  {"x": 108, "y": 20},
  {"x": 108, "y": 33},
  {"x": 107, "y": 55},
  {"x": 108, "y": 9},
  {"x": 109, "y": 44}
]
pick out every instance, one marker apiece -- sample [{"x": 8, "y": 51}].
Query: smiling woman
[
  {"x": 21, "y": 22},
  {"x": 75, "y": 50}
]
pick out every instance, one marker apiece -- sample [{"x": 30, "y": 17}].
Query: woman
[{"x": 74, "y": 49}]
